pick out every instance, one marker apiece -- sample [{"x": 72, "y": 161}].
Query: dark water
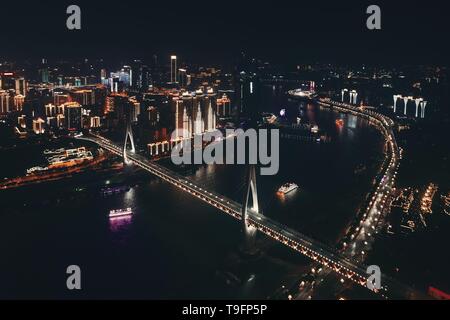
[{"x": 175, "y": 246}]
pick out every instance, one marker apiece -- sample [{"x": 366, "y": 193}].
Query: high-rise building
[
  {"x": 135, "y": 74},
  {"x": 248, "y": 88},
  {"x": 121, "y": 79},
  {"x": 60, "y": 97},
  {"x": 126, "y": 76},
  {"x": 117, "y": 105},
  {"x": 7, "y": 81},
  {"x": 152, "y": 116},
  {"x": 173, "y": 69},
  {"x": 144, "y": 79},
  {"x": 72, "y": 115},
  {"x": 182, "y": 77},
  {"x": 5, "y": 101},
  {"x": 38, "y": 126},
  {"x": 95, "y": 122},
  {"x": 50, "y": 110},
  {"x": 60, "y": 120},
  {"x": 51, "y": 122},
  {"x": 195, "y": 113},
  {"x": 19, "y": 100},
  {"x": 115, "y": 84},
  {"x": 104, "y": 77},
  {"x": 21, "y": 86},
  {"x": 44, "y": 75},
  {"x": 85, "y": 97},
  {"x": 224, "y": 106},
  {"x": 135, "y": 109},
  {"x": 21, "y": 121}
]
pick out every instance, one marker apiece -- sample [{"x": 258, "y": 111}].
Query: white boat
[
  {"x": 300, "y": 93},
  {"x": 120, "y": 212},
  {"x": 287, "y": 187}
]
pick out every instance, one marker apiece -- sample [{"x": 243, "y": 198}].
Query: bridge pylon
[
  {"x": 250, "y": 188},
  {"x": 128, "y": 135}
]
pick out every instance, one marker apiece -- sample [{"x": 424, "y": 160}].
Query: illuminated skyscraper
[
  {"x": 7, "y": 80},
  {"x": 173, "y": 69},
  {"x": 95, "y": 122},
  {"x": 72, "y": 115},
  {"x": 183, "y": 78},
  {"x": 59, "y": 98},
  {"x": 248, "y": 88},
  {"x": 50, "y": 110},
  {"x": 5, "y": 101},
  {"x": 126, "y": 76},
  {"x": 85, "y": 97},
  {"x": 21, "y": 86},
  {"x": 60, "y": 120},
  {"x": 135, "y": 109},
  {"x": 104, "y": 77},
  {"x": 144, "y": 79},
  {"x": 38, "y": 126},
  {"x": 21, "y": 121},
  {"x": 44, "y": 75},
  {"x": 19, "y": 100},
  {"x": 224, "y": 106},
  {"x": 195, "y": 113}
]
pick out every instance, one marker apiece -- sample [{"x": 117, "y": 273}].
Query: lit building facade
[
  {"x": 38, "y": 126},
  {"x": 72, "y": 113},
  {"x": 5, "y": 102},
  {"x": 21, "y": 87},
  {"x": 19, "y": 100},
  {"x": 173, "y": 69},
  {"x": 224, "y": 106},
  {"x": 194, "y": 113},
  {"x": 94, "y": 122}
]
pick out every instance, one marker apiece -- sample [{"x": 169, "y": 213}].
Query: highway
[{"x": 372, "y": 221}]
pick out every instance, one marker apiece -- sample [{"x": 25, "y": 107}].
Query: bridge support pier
[
  {"x": 128, "y": 135},
  {"x": 249, "y": 231}
]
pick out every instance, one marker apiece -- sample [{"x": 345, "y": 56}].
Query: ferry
[
  {"x": 287, "y": 187},
  {"x": 340, "y": 122},
  {"x": 315, "y": 129},
  {"x": 302, "y": 94},
  {"x": 114, "y": 189},
  {"x": 120, "y": 212}
]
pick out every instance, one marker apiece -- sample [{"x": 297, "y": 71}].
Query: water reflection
[{"x": 119, "y": 223}]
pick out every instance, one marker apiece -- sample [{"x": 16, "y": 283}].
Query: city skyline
[{"x": 227, "y": 151}]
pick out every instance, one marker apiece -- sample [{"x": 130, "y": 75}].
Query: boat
[
  {"x": 120, "y": 212},
  {"x": 287, "y": 187},
  {"x": 340, "y": 122},
  {"x": 114, "y": 189},
  {"x": 302, "y": 94}
]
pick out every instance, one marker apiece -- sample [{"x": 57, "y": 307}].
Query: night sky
[{"x": 215, "y": 31}]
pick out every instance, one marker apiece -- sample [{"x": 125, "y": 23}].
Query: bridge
[{"x": 254, "y": 221}]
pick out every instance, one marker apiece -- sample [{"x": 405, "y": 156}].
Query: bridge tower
[
  {"x": 128, "y": 135},
  {"x": 250, "y": 187}
]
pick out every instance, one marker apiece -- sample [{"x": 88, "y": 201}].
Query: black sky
[{"x": 215, "y": 31}]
